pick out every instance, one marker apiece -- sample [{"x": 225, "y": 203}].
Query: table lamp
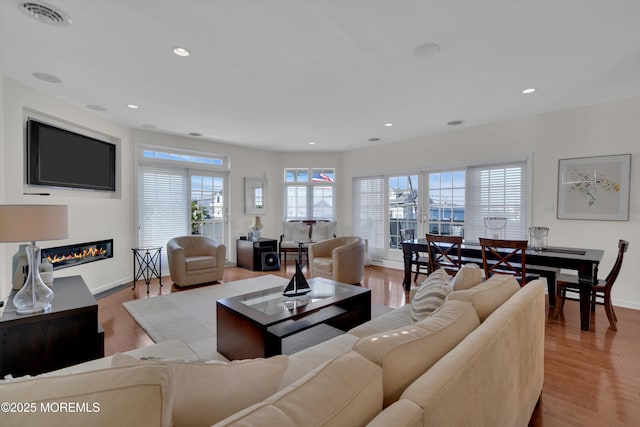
[{"x": 20, "y": 223}]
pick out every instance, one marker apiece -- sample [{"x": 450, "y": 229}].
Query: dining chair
[
  {"x": 418, "y": 259},
  {"x": 568, "y": 282},
  {"x": 445, "y": 252},
  {"x": 499, "y": 261}
]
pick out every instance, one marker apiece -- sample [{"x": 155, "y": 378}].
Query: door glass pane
[
  {"x": 207, "y": 206},
  {"x": 446, "y": 203},
  {"x": 403, "y": 208}
]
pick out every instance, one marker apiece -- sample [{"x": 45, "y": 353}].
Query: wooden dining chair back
[
  {"x": 445, "y": 252},
  {"x": 419, "y": 260},
  {"x": 602, "y": 289},
  {"x": 513, "y": 261}
]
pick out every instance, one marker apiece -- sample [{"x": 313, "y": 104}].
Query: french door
[{"x": 209, "y": 210}]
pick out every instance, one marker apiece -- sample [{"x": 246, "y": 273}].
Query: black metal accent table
[{"x": 147, "y": 264}]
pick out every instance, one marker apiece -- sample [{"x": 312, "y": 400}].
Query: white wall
[
  {"x": 603, "y": 129},
  {"x": 92, "y": 215},
  {"x": 611, "y": 128}
]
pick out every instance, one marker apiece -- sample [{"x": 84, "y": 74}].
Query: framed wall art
[{"x": 594, "y": 188}]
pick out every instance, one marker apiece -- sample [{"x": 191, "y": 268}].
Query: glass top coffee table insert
[{"x": 254, "y": 325}]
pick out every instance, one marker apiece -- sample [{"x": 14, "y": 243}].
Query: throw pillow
[
  {"x": 467, "y": 277},
  {"x": 301, "y": 233},
  {"x": 323, "y": 230},
  {"x": 288, "y": 228},
  {"x": 127, "y": 396},
  {"x": 430, "y": 295},
  {"x": 207, "y": 392}
]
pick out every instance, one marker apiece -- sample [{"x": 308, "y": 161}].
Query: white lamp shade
[{"x": 22, "y": 223}]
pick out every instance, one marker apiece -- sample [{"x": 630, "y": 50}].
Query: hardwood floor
[{"x": 591, "y": 378}]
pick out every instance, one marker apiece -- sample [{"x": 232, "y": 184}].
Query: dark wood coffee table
[{"x": 254, "y": 325}]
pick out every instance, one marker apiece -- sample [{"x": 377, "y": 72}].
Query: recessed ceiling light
[
  {"x": 180, "y": 51},
  {"x": 530, "y": 90},
  {"x": 47, "y": 77},
  {"x": 312, "y": 143},
  {"x": 133, "y": 106},
  {"x": 425, "y": 51},
  {"x": 388, "y": 124},
  {"x": 195, "y": 134},
  {"x": 455, "y": 122},
  {"x": 374, "y": 139},
  {"x": 96, "y": 107}
]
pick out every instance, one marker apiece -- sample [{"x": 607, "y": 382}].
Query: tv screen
[{"x": 61, "y": 158}]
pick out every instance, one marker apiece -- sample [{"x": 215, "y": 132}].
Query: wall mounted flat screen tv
[{"x": 61, "y": 158}]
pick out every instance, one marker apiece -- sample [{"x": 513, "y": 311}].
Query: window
[
  {"x": 403, "y": 207},
  {"x": 182, "y": 157},
  {"x": 163, "y": 206},
  {"x": 309, "y": 194},
  {"x": 497, "y": 190},
  {"x": 368, "y": 213},
  {"x": 446, "y": 203},
  {"x": 180, "y": 193},
  {"x": 452, "y": 202}
]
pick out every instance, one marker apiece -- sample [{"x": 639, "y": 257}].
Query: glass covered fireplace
[{"x": 81, "y": 253}]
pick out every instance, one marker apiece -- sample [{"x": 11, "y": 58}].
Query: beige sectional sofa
[{"x": 477, "y": 360}]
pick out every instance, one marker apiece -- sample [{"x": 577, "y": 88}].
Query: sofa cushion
[
  {"x": 305, "y": 361},
  {"x": 406, "y": 353},
  {"x": 394, "y": 319},
  {"x": 467, "y": 277},
  {"x": 346, "y": 391},
  {"x": 488, "y": 295},
  {"x": 207, "y": 392},
  {"x": 135, "y": 395},
  {"x": 430, "y": 294},
  {"x": 323, "y": 230},
  {"x": 200, "y": 262}
]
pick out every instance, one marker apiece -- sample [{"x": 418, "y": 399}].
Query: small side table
[
  {"x": 249, "y": 253},
  {"x": 147, "y": 264}
]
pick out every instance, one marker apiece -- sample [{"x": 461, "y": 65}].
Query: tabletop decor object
[
  {"x": 19, "y": 223},
  {"x": 298, "y": 284},
  {"x": 538, "y": 237},
  {"x": 256, "y": 229},
  {"x": 594, "y": 188}
]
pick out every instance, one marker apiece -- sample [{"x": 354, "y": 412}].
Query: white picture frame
[
  {"x": 594, "y": 188},
  {"x": 255, "y": 190}
]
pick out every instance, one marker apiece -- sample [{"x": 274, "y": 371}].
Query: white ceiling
[{"x": 277, "y": 74}]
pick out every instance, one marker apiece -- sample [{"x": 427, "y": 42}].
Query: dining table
[{"x": 546, "y": 262}]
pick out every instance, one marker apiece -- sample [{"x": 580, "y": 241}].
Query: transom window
[
  {"x": 309, "y": 193},
  {"x": 182, "y": 157}
]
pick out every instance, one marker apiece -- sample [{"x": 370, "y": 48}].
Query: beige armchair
[
  {"x": 195, "y": 259},
  {"x": 340, "y": 259}
]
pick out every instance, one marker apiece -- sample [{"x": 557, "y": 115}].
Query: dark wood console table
[
  {"x": 249, "y": 253},
  {"x": 66, "y": 335}
]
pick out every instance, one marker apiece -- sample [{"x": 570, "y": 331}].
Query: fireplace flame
[{"x": 92, "y": 251}]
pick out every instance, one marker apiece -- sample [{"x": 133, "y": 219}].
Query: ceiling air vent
[{"x": 45, "y": 13}]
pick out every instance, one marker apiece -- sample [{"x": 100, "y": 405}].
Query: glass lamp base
[
  {"x": 35, "y": 310},
  {"x": 34, "y": 297}
]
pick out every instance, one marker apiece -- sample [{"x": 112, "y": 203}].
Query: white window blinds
[
  {"x": 368, "y": 213},
  {"x": 498, "y": 190},
  {"x": 163, "y": 206}
]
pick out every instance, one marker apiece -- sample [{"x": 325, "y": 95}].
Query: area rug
[{"x": 190, "y": 316}]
